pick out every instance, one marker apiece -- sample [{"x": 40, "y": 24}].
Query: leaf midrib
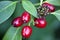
[
  {"x": 56, "y": 13},
  {"x": 15, "y": 33},
  {"x": 8, "y": 6},
  {"x": 28, "y": 6}
]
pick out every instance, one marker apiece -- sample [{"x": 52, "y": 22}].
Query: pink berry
[
  {"x": 26, "y": 31},
  {"x": 40, "y": 23},
  {"x": 25, "y": 17},
  {"x": 17, "y": 22},
  {"x": 50, "y": 6}
]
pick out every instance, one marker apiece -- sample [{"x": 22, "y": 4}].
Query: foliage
[{"x": 11, "y": 9}]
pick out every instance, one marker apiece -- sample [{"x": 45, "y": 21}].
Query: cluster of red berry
[
  {"x": 42, "y": 11},
  {"x": 25, "y": 18}
]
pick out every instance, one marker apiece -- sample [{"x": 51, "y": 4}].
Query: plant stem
[
  {"x": 24, "y": 38},
  {"x": 41, "y": 1},
  {"x": 31, "y": 21}
]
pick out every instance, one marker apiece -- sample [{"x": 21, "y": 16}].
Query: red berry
[
  {"x": 50, "y": 6},
  {"x": 17, "y": 22},
  {"x": 26, "y": 31},
  {"x": 40, "y": 23},
  {"x": 25, "y": 17}
]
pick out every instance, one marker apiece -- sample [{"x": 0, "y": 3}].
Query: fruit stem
[
  {"x": 29, "y": 23},
  {"x": 24, "y": 38},
  {"x": 32, "y": 21},
  {"x": 41, "y": 1}
]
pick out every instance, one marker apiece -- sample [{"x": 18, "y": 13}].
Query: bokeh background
[{"x": 51, "y": 32}]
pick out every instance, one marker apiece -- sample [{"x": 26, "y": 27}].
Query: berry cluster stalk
[{"x": 41, "y": 1}]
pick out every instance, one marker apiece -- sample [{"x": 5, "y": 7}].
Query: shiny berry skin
[
  {"x": 17, "y": 22},
  {"x": 25, "y": 17},
  {"x": 26, "y": 31},
  {"x": 50, "y": 6},
  {"x": 40, "y": 23}
]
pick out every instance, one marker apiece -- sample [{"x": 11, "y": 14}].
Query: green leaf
[
  {"x": 28, "y": 6},
  {"x": 57, "y": 14},
  {"x": 54, "y": 2},
  {"x": 5, "y": 25},
  {"x": 6, "y": 10},
  {"x": 13, "y": 34}
]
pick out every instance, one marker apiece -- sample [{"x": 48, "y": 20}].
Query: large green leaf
[
  {"x": 5, "y": 25},
  {"x": 13, "y": 34},
  {"x": 54, "y": 2},
  {"x": 6, "y": 10},
  {"x": 28, "y": 6},
  {"x": 57, "y": 14}
]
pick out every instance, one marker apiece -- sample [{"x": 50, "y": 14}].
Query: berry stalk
[{"x": 41, "y": 1}]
